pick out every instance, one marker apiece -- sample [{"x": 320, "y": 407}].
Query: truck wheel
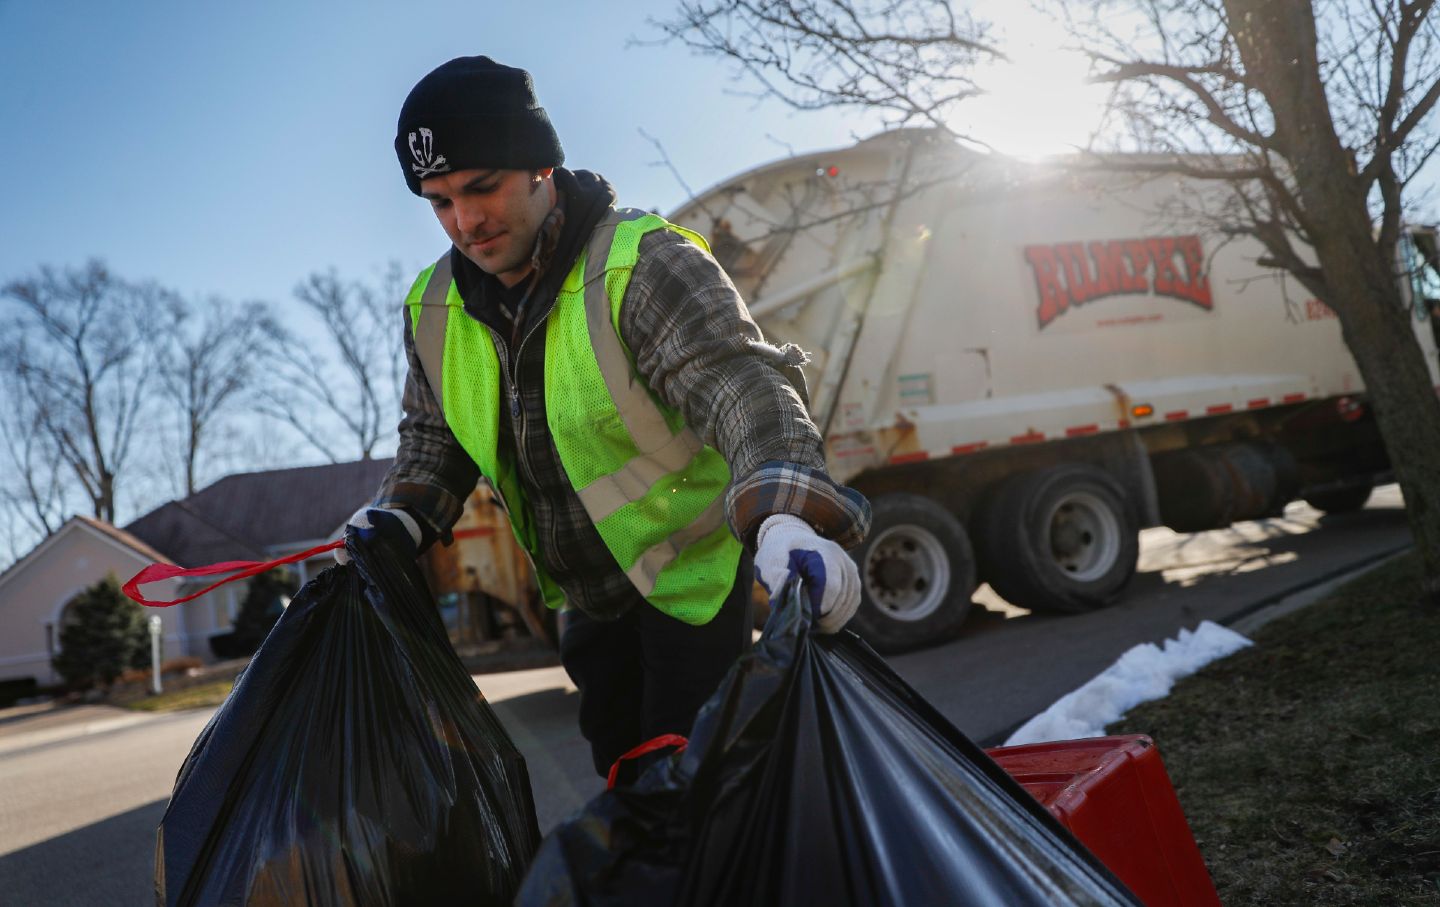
[
  {"x": 1341, "y": 500},
  {"x": 917, "y": 572},
  {"x": 1059, "y": 539}
]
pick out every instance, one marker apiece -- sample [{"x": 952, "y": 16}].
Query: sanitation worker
[{"x": 599, "y": 369}]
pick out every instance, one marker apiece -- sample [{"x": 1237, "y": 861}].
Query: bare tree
[
  {"x": 210, "y": 364},
  {"x": 80, "y": 358},
  {"x": 33, "y": 494},
  {"x": 351, "y": 373},
  {"x": 912, "y": 60},
  {"x": 1315, "y": 117}
]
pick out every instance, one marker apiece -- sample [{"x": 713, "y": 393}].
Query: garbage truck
[{"x": 1023, "y": 365}]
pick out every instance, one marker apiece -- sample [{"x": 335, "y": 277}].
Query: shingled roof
[
  {"x": 251, "y": 516},
  {"x": 129, "y": 540}
]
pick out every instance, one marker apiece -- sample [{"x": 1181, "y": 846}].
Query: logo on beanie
[{"x": 427, "y": 162}]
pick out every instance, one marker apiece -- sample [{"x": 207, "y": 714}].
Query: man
[{"x": 598, "y": 368}]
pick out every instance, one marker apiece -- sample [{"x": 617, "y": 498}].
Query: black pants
[{"x": 647, "y": 674}]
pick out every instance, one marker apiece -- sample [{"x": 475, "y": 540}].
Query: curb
[
  {"x": 1254, "y": 616},
  {"x": 28, "y": 739}
]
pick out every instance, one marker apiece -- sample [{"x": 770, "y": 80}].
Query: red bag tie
[
  {"x": 649, "y": 746},
  {"x": 156, "y": 572}
]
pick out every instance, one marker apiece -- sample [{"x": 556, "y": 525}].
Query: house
[
  {"x": 36, "y": 589},
  {"x": 256, "y": 516}
]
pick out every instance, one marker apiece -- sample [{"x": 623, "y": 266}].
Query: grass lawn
[
  {"x": 1309, "y": 764},
  {"x": 209, "y": 694}
]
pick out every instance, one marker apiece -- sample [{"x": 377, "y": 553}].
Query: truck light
[
  {"x": 1349, "y": 408},
  {"x": 1142, "y": 410},
  {"x": 832, "y": 170}
]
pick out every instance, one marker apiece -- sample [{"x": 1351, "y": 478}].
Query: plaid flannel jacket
[{"x": 699, "y": 350}]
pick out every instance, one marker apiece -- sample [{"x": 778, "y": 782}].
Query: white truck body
[{"x": 971, "y": 319}]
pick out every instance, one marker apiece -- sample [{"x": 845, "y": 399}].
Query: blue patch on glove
[
  {"x": 386, "y": 528},
  {"x": 810, "y": 567}
]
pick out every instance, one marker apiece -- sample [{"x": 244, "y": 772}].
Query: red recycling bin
[{"x": 1114, "y": 795}]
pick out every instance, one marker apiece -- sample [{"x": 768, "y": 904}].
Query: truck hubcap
[
  {"x": 906, "y": 573},
  {"x": 1084, "y": 536}
]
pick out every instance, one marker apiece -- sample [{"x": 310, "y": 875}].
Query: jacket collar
[{"x": 583, "y": 199}]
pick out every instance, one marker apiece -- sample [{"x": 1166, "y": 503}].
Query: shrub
[
  {"x": 265, "y": 601},
  {"x": 101, "y": 635}
]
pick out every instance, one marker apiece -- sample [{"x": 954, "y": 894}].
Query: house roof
[
  {"x": 249, "y": 516},
  {"x": 124, "y": 538}
]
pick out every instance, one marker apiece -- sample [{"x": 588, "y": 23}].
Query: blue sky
[{"x": 234, "y": 148}]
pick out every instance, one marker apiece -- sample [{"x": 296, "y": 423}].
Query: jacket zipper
[{"x": 517, "y": 410}]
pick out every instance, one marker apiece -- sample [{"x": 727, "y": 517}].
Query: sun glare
[{"x": 1038, "y": 103}]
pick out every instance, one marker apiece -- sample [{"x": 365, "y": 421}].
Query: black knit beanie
[{"x": 473, "y": 113}]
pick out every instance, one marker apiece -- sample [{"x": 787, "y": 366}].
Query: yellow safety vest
[{"x": 654, "y": 492}]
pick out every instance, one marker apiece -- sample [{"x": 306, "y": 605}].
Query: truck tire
[
  {"x": 917, "y": 572},
  {"x": 1341, "y": 500},
  {"x": 1059, "y": 539}
]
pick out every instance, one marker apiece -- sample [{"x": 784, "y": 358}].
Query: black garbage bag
[
  {"x": 354, "y": 763},
  {"x": 815, "y": 775}
]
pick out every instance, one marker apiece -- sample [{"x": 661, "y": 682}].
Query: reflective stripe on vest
[
  {"x": 652, "y": 489},
  {"x": 662, "y": 452},
  {"x": 430, "y": 332}
]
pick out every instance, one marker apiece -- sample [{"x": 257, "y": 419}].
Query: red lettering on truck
[
  {"x": 1197, "y": 282},
  {"x": 1054, "y": 299},
  {"x": 1080, "y": 283},
  {"x": 1112, "y": 274},
  {"x": 1074, "y": 274}
]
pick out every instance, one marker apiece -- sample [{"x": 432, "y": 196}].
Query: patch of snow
[{"x": 1143, "y": 673}]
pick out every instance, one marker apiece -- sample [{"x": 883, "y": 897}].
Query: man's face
[{"x": 492, "y": 216}]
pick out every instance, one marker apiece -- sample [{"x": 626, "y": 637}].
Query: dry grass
[
  {"x": 204, "y": 695},
  {"x": 1309, "y": 765}
]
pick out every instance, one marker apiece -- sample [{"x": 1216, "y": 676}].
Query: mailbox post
[{"x": 155, "y": 653}]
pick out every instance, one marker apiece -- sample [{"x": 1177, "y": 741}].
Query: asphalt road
[
  {"x": 82, "y": 791},
  {"x": 77, "y": 826}
]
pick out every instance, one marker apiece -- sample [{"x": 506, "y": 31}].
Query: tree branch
[{"x": 1184, "y": 77}]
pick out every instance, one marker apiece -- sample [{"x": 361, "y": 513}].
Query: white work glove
[
  {"x": 392, "y": 524},
  {"x": 787, "y": 544}
]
